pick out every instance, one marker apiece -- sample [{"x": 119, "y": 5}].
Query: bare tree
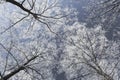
[
  {"x": 92, "y": 55},
  {"x": 106, "y": 13},
  {"x": 38, "y": 11},
  {"x": 25, "y": 52}
]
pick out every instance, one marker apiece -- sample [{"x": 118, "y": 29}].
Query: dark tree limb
[
  {"x": 22, "y": 67},
  {"x": 22, "y": 7}
]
